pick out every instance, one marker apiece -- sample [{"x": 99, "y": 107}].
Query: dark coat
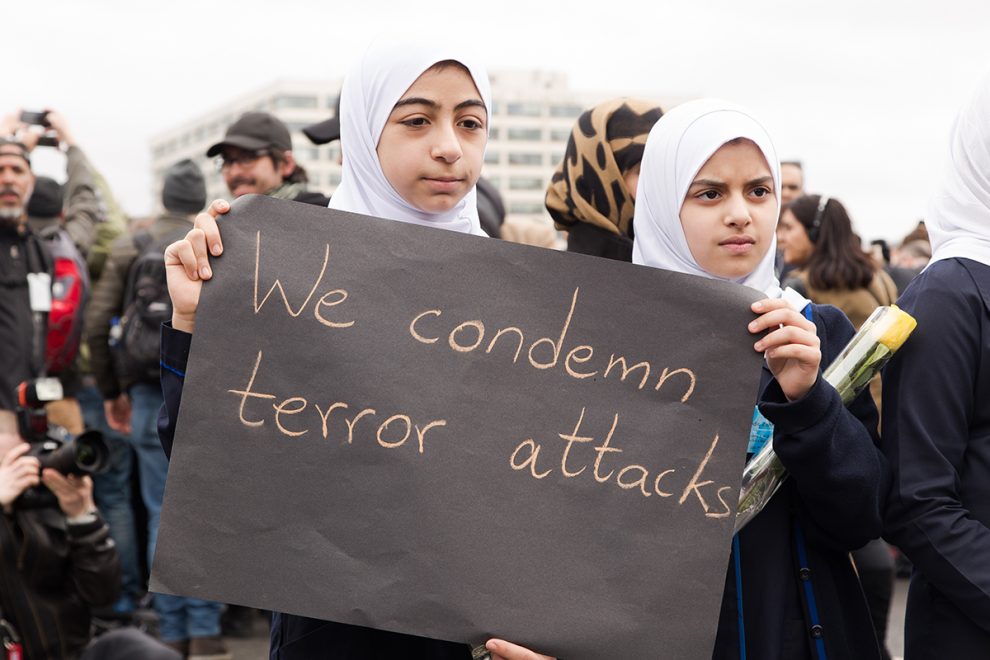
[
  {"x": 297, "y": 637},
  {"x": 22, "y": 333},
  {"x": 937, "y": 438},
  {"x": 834, "y": 492},
  {"x": 51, "y": 574}
]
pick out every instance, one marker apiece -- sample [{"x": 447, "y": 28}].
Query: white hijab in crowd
[
  {"x": 678, "y": 146},
  {"x": 958, "y": 219},
  {"x": 370, "y": 92}
]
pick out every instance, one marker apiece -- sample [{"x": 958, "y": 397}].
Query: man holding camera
[
  {"x": 56, "y": 562},
  {"x": 25, "y": 272}
]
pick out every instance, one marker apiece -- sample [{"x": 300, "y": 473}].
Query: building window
[
  {"x": 525, "y": 134},
  {"x": 495, "y": 181},
  {"x": 560, "y": 134},
  {"x": 525, "y": 159},
  {"x": 496, "y": 106},
  {"x": 306, "y": 153},
  {"x": 493, "y": 133},
  {"x": 332, "y": 101},
  {"x": 566, "y": 110},
  {"x": 333, "y": 178},
  {"x": 525, "y": 183},
  {"x": 557, "y": 157},
  {"x": 525, "y": 208},
  {"x": 523, "y": 109},
  {"x": 295, "y": 101},
  {"x": 491, "y": 157}
]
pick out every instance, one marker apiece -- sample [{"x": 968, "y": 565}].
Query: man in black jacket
[
  {"x": 255, "y": 156},
  {"x": 25, "y": 277}
]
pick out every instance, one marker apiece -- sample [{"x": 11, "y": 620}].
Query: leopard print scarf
[{"x": 606, "y": 142}]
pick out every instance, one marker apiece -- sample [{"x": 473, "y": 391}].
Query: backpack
[
  {"x": 70, "y": 293},
  {"x": 146, "y": 306}
]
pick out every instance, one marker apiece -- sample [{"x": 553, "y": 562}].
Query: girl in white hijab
[
  {"x": 707, "y": 205},
  {"x": 414, "y": 126},
  {"x": 935, "y": 393},
  {"x": 373, "y": 182}
]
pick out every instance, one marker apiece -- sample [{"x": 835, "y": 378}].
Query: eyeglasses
[{"x": 245, "y": 158}]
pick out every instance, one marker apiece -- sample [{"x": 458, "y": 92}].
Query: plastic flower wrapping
[{"x": 850, "y": 373}]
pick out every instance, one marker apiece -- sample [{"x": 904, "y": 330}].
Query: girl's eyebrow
[
  {"x": 763, "y": 180},
  {"x": 430, "y": 103},
  {"x": 712, "y": 183}
]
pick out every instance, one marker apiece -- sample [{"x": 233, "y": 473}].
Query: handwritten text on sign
[{"x": 415, "y": 430}]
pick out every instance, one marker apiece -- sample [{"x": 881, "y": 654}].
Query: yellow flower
[{"x": 898, "y": 325}]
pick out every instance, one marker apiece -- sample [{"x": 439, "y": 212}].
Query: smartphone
[{"x": 37, "y": 118}]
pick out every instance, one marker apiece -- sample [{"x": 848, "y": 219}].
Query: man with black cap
[
  {"x": 130, "y": 389},
  {"x": 255, "y": 156}
]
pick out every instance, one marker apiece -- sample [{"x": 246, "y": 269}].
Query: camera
[
  {"x": 87, "y": 453},
  {"x": 40, "y": 118}
]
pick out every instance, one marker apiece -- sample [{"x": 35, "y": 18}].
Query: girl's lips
[
  {"x": 738, "y": 244},
  {"x": 443, "y": 184}
]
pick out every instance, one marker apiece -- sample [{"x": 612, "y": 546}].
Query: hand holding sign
[
  {"x": 792, "y": 348},
  {"x": 187, "y": 265},
  {"x": 503, "y": 650}
]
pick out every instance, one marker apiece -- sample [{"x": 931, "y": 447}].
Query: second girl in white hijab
[
  {"x": 414, "y": 126},
  {"x": 707, "y": 205}
]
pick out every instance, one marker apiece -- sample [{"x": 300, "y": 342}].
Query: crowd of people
[{"x": 102, "y": 311}]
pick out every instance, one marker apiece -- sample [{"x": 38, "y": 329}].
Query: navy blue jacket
[
  {"x": 834, "y": 492},
  {"x": 835, "y": 495},
  {"x": 936, "y": 403}
]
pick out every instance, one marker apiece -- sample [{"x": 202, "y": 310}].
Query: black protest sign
[{"x": 410, "y": 429}]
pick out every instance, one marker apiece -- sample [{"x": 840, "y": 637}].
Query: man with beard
[
  {"x": 255, "y": 156},
  {"x": 25, "y": 273}
]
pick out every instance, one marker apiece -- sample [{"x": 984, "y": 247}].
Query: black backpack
[{"x": 146, "y": 306}]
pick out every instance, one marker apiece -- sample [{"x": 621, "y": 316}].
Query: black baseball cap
[
  {"x": 327, "y": 130},
  {"x": 11, "y": 147},
  {"x": 254, "y": 131}
]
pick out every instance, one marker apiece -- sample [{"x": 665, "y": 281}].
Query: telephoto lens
[{"x": 86, "y": 454}]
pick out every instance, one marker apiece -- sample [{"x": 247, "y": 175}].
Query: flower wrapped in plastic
[{"x": 850, "y": 373}]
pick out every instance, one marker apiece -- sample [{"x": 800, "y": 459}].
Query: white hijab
[
  {"x": 370, "y": 91},
  {"x": 958, "y": 219},
  {"x": 678, "y": 146}
]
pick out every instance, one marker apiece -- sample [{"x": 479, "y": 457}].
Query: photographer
[
  {"x": 25, "y": 272},
  {"x": 56, "y": 562}
]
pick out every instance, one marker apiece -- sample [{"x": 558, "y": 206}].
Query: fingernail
[
  {"x": 752, "y": 326},
  {"x": 204, "y": 272},
  {"x": 758, "y": 345},
  {"x": 215, "y": 249}
]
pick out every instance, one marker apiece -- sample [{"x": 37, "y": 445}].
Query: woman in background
[{"x": 593, "y": 190}]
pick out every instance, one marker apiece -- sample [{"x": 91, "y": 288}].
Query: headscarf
[
  {"x": 678, "y": 147},
  {"x": 958, "y": 219},
  {"x": 588, "y": 185},
  {"x": 369, "y": 93}
]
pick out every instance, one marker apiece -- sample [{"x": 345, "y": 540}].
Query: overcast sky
[{"x": 863, "y": 92}]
